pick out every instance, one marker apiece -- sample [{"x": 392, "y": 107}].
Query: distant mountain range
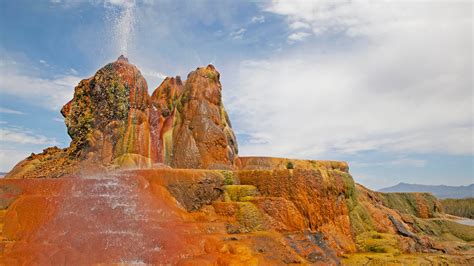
[{"x": 440, "y": 191}]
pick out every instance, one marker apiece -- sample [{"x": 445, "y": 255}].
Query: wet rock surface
[
  {"x": 207, "y": 217},
  {"x": 112, "y": 219},
  {"x": 8, "y": 194},
  {"x": 130, "y": 217}
]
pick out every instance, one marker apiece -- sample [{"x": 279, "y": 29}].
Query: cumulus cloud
[
  {"x": 362, "y": 17},
  {"x": 295, "y": 25},
  {"x": 298, "y": 36},
  {"x": 400, "y": 82}
]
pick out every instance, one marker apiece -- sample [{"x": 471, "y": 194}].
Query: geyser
[{"x": 122, "y": 20}]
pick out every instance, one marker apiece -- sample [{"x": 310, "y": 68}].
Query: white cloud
[
  {"x": 296, "y": 25},
  {"x": 73, "y": 71},
  {"x": 258, "y": 19},
  {"x": 404, "y": 85},
  {"x": 10, "y": 111},
  {"x": 410, "y": 162},
  {"x": 10, "y": 157},
  {"x": 24, "y": 136},
  {"x": 298, "y": 36},
  {"x": 324, "y": 15},
  {"x": 362, "y": 17},
  {"x": 238, "y": 34},
  {"x": 397, "y": 162},
  {"x": 16, "y": 143},
  {"x": 153, "y": 78},
  {"x": 50, "y": 93},
  {"x": 44, "y": 63},
  {"x": 154, "y": 74}
]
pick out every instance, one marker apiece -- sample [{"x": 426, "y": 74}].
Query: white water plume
[{"x": 121, "y": 19}]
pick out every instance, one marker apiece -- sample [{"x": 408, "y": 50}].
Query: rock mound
[
  {"x": 203, "y": 136},
  {"x": 114, "y": 123}
]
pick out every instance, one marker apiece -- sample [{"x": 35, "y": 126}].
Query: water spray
[{"x": 122, "y": 19}]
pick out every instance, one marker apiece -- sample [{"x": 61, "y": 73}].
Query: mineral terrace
[{"x": 158, "y": 180}]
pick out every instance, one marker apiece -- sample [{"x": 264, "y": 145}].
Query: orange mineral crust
[
  {"x": 129, "y": 217},
  {"x": 158, "y": 180}
]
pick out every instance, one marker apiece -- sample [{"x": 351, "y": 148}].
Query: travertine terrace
[{"x": 156, "y": 179}]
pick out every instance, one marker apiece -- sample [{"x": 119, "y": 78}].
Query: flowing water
[{"x": 113, "y": 218}]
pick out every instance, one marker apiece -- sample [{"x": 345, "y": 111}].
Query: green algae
[
  {"x": 229, "y": 178},
  {"x": 361, "y": 221},
  {"x": 212, "y": 76},
  {"x": 238, "y": 192},
  {"x": 404, "y": 259},
  {"x": 377, "y": 242},
  {"x": 444, "y": 229},
  {"x": 249, "y": 217},
  {"x": 412, "y": 203}
]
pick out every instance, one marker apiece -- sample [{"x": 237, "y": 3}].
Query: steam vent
[{"x": 156, "y": 179}]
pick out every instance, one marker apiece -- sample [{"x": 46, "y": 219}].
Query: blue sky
[{"x": 386, "y": 86}]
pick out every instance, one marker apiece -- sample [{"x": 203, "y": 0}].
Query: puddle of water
[{"x": 465, "y": 221}]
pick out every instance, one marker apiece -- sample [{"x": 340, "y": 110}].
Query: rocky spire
[{"x": 113, "y": 122}]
